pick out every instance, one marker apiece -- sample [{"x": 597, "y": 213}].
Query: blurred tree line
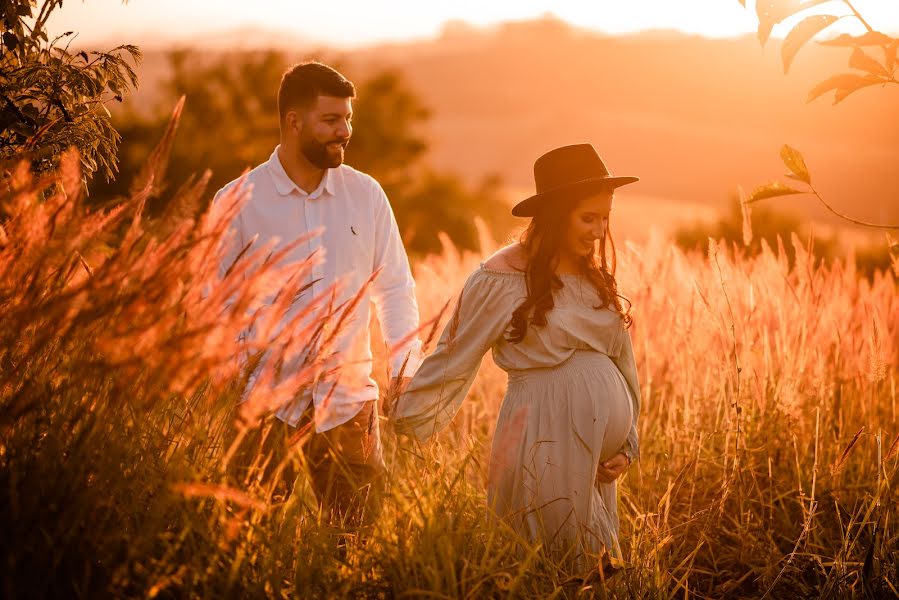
[
  {"x": 770, "y": 224},
  {"x": 230, "y": 123}
]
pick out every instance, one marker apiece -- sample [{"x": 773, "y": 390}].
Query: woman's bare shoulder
[{"x": 509, "y": 259}]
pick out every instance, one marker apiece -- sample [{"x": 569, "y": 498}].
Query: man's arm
[{"x": 393, "y": 293}]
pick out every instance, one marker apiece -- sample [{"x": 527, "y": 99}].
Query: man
[{"x": 303, "y": 187}]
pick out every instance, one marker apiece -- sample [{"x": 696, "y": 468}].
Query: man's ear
[{"x": 293, "y": 121}]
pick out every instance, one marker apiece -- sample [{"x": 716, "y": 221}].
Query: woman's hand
[{"x": 609, "y": 471}]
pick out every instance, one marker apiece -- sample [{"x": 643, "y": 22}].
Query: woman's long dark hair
[{"x": 542, "y": 241}]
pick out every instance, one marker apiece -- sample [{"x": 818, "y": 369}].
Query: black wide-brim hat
[{"x": 575, "y": 170}]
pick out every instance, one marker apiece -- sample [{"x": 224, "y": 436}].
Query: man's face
[{"x": 324, "y": 130}]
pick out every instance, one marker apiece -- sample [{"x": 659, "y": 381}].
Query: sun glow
[{"x": 358, "y": 22}]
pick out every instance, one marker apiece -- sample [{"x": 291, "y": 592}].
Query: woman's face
[{"x": 587, "y": 223}]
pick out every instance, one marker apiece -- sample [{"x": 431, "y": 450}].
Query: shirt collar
[{"x": 285, "y": 185}]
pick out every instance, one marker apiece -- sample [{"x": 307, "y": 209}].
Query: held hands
[
  {"x": 610, "y": 470},
  {"x": 394, "y": 389}
]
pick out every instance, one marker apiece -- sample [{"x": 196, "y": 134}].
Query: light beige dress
[{"x": 571, "y": 402}]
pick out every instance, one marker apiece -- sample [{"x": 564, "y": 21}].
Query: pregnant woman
[{"x": 549, "y": 310}]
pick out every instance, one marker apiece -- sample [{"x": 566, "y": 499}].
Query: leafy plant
[
  {"x": 53, "y": 98},
  {"x": 870, "y": 70},
  {"x": 794, "y": 161},
  {"x": 772, "y": 12}
]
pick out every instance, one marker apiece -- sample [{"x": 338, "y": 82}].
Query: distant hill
[{"x": 693, "y": 117}]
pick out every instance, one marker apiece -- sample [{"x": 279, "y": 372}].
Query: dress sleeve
[
  {"x": 627, "y": 364},
  {"x": 437, "y": 390}
]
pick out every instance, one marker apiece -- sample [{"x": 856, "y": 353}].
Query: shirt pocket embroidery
[{"x": 355, "y": 254}]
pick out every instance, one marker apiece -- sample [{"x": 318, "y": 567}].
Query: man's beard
[{"x": 320, "y": 155}]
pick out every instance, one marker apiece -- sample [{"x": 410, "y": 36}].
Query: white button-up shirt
[{"x": 359, "y": 237}]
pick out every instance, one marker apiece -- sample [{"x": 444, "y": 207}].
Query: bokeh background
[
  {"x": 766, "y": 333},
  {"x": 452, "y": 113}
]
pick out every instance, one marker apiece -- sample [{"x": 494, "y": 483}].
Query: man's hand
[
  {"x": 609, "y": 471},
  {"x": 395, "y": 388}
]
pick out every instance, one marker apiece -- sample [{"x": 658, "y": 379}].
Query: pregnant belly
[{"x": 585, "y": 397}]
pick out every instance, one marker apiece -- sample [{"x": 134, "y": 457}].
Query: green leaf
[
  {"x": 861, "y": 61},
  {"x": 10, "y": 41},
  {"x": 871, "y": 38},
  {"x": 772, "y": 12},
  {"x": 845, "y": 84},
  {"x": 771, "y": 190},
  {"x": 801, "y": 34},
  {"x": 795, "y": 163}
]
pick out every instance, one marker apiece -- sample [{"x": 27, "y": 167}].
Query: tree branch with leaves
[
  {"x": 52, "y": 98},
  {"x": 794, "y": 161},
  {"x": 871, "y": 72}
]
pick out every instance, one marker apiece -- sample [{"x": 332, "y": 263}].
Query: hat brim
[{"x": 530, "y": 206}]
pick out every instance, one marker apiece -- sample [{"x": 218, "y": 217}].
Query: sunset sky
[{"x": 360, "y": 22}]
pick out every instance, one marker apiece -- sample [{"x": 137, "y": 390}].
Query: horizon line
[{"x": 447, "y": 31}]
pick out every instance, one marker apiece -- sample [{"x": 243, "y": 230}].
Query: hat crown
[
  {"x": 568, "y": 172},
  {"x": 568, "y": 164}
]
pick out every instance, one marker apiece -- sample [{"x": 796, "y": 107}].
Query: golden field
[{"x": 770, "y": 435}]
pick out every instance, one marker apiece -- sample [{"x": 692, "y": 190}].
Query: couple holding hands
[{"x": 547, "y": 306}]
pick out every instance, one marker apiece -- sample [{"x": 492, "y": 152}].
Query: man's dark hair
[{"x": 305, "y": 82}]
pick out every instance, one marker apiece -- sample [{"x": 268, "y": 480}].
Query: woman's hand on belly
[{"x": 609, "y": 471}]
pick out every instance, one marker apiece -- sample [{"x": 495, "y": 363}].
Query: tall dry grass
[
  {"x": 769, "y": 427},
  {"x": 770, "y": 437}
]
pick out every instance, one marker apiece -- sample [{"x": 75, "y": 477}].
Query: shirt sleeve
[
  {"x": 393, "y": 291},
  {"x": 435, "y": 394},
  {"x": 627, "y": 364}
]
